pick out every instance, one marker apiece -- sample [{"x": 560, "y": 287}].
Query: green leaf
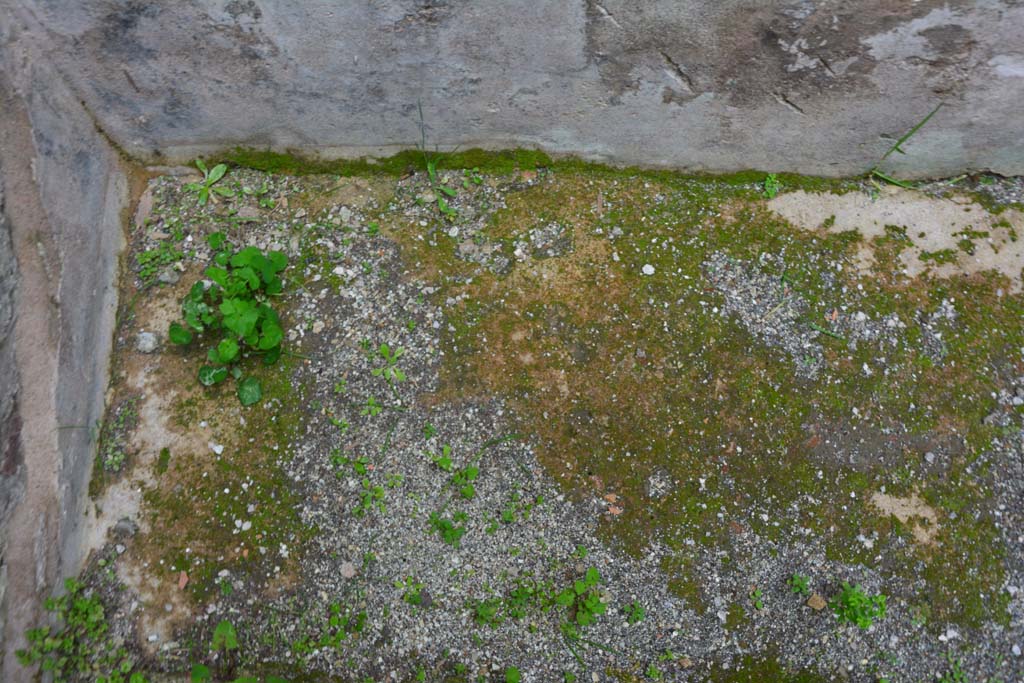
[
  {"x": 200, "y": 673},
  {"x": 217, "y": 173},
  {"x": 278, "y": 259},
  {"x": 272, "y": 335},
  {"x": 245, "y": 257},
  {"x": 202, "y": 167},
  {"x": 209, "y": 375},
  {"x": 227, "y": 350},
  {"x": 224, "y": 191},
  {"x": 218, "y": 275},
  {"x": 179, "y": 334},
  {"x": 512, "y": 675},
  {"x": 216, "y": 240},
  {"x": 272, "y": 355},
  {"x": 447, "y": 190},
  {"x": 249, "y": 391},
  {"x": 204, "y": 194},
  {"x": 224, "y": 636}
]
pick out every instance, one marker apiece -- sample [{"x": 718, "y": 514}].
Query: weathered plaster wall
[
  {"x": 63, "y": 188},
  {"x": 814, "y": 86}
]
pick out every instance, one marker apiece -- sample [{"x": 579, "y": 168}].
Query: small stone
[
  {"x": 147, "y": 342},
  {"x": 169, "y": 276},
  {"x": 318, "y": 327},
  {"x": 301, "y": 213},
  {"x": 348, "y": 570},
  {"x": 1015, "y": 650},
  {"x": 120, "y": 549},
  {"x": 216, "y": 448},
  {"x": 816, "y": 602},
  {"x": 929, "y": 457},
  {"x": 125, "y": 528},
  {"x": 648, "y": 269},
  {"x": 427, "y": 197},
  {"x": 153, "y": 637}
]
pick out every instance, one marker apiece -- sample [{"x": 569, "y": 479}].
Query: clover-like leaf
[
  {"x": 227, "y": 350},
  {"x": 210, "y": 375},
  {"x": 249, "y": 391},
  {"x": 178, "y": 334}
]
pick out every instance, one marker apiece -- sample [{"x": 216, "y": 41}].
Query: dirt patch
[
  {"x": 945, "y": 237},
  {"x": 910, "y": 510}
]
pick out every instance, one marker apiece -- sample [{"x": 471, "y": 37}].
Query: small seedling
[
  {"x": 463, "y": 481},
  {"x": 634, "y": 613},
  {"x": 653, "y": 672},
  {"x": 450, "y": 533},
  {"x": 206, "y": 185},
  {"x": 372, "y": 408},
  {"x": 412, "y": 591},
  {"x": 390, "y": 371},
  {"x": 756, "y": 597},
  {"x": 955, "y": 673},
  {"x": 799, "y": 584},
  {"x": 371, "y": 496},
  {"x": 429, "y": 431},
  {"x": 583, "y": 600},
  {"x": 444, "y": 461},
  {"x": 224, "y": 637},
  {"x": 897, "y": 147},
  {"x": 854, "y": 606},
  {"x": 771, "y": 186},
  {"x": 512, "y": 675},
  {"x": 341, "y": 387},
  {"x": 487, "y": 612}
]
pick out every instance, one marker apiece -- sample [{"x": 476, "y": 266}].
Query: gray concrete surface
[
  {"x": 63, "y": 190},
  {"x": 818, "y": 87}
]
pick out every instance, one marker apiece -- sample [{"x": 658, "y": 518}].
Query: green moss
[{"x": 752, "y": 670}]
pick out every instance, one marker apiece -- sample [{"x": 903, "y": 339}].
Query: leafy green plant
[
  {"x": 152, "y": 261},
  {"x": 653, "y": 672},
  {"x": 487, "y": 612},
  {"x": 225, "y": 638},
  {"x": 852, "y": 605},
  {"x": 799, "y": 584},
  {"x": 235, "y": 308},
  {"x": 463, "y": 480},
  {"x": 390, "y": 370},
  {"x": 955, "y": 672},
  {"x": 771, "y": 186},
  {"x": 512, "y": 675},
  {"x": 583, "y": 599},
  {"x": 634, "y": 613},
  {"x": 372, "y": 408},
  {"x": 371, "y": 496},
  {"x": 206, "y": 185},
  {"x": 80, "y": 644},
  {"x": 757, "y": 598},
  {"x": 444, "y": 461},
  {"x": 447, "y": 528},
  {"x": 412, "y": 591}
]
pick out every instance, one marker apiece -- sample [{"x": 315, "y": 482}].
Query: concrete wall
[
  {"x": 63, "y": 189},
  {"x": 813, "y": 86}
]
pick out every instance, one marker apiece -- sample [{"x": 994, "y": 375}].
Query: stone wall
[{"x": 812, "y": 86}]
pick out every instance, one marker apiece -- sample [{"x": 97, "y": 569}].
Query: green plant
[
  {"x": 152, "y": 261},
  {"x": 439, "y": 189},
  {"x": 634, "y": 613},
  {"x": 757, "y": 598},
  {"x": 512, "y": 675},
  {"x": 955, "y": 672},
  {"x": 390, "y": 371},
  {"x": 412, "y": 591},
  {"x": 897, "y": 147},
  {"x": 206, "y": 185},
  {"x": 463, "y": 480},
  {"x": 80, "y": 644},
  {"x": 447, "y": 528},
  {"x": 372, "y": 408},
  {"x": 235, "y": 308},
  {"x": 799, "y": 584},
  {"x": 444, "y": 461},
  {"x": 372, "y": 496},
  {"x": 653, "y": 672},
  {"x": 771, "y": 186},
  {"x": 225, "y": 638},
  {"x": 854, "y": 606},
  {"x": 487, "y": 612},
  {"x": 583, "y": 599}
]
